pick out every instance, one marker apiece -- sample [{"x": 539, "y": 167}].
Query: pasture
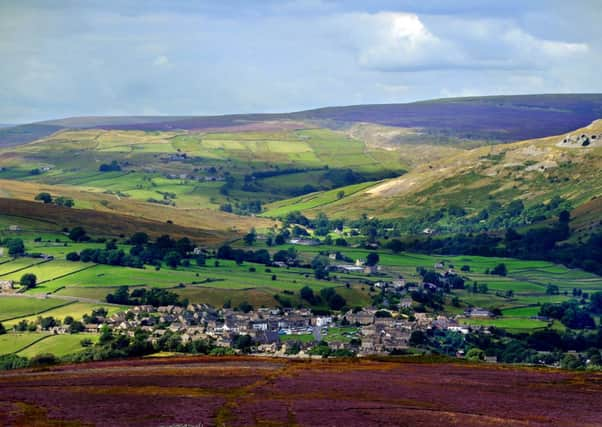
[
  {"x": 59, "y": 345},
  {"x": 518, "y": 295},
  {"x": 14, "y": 307},
  {"x": 11, "y": 343},
  {"x": 74, "y": 309}
]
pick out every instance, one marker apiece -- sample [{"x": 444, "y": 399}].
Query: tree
[
  {"x": 200, "y": 260},
  {"x": 340, "y": 194},
  {"x": 320, "y": 268},
  {"x": 72, "y": 256},
  {"x": 76, "y": 326},
  {"x": 184, "y": 246},
  {"x": 44, "y": 197},
  {"x": 243, "y": 343},
  {"x": 172, "y": 259},
  {"x": 121, "y": 296},
  {"x": 418, "y": 338},
  {"x": 372, "y": 259},
  {"x": 110, "y": 167},
  {"x": 64, "y": 201},
  {"x": 340, "y": 242},
  {"x": 47, "y": 322},
  {"x": 475, "y": 354},
  {"x": 78, "y": 234},
  {"x": 395, "y": 245},
  {"x": 596, "y": 302},
  {"x": 15, "y": 247},
  {"x": 245, "y": 307},
  {"x": 564, "y": 217},
  {"x": 139, "y": 238},
  {"x": 307, "y": 294},
  {"x": 500, "y": 270},
  {"x": 250, "y": 237},
  {"x": 28, "y": 280},
  {"x": 334, "y": 300},
  {"x": 2, "y": 329}
]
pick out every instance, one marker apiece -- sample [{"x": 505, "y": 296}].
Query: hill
[
  {"x": 483, "y": 119},
  {"x": 481, "y": 183}
]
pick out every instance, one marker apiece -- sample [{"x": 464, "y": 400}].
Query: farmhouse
[
  {"x": 371, "y": 269},
  {"x": 362, "y": 317},
  {"x": 7, "y": 285},
  {"x": 345, "y": 268},
  {"x": 478, "y": 312},
  {"x": 304, "y": 242},
  {"x": 14, "y": 228}
]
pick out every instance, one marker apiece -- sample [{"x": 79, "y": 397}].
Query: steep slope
[{"x": 533, "y": 171}]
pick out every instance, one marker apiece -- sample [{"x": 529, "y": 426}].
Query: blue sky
[{"x": 73, "y": 58}]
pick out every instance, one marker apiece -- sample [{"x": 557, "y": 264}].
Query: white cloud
[{"x": 397, "y": 41}]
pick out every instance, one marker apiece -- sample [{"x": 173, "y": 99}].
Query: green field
[
  {"x": 303, "y": 338},
  {"x": 11, "y": 343},
  {"x": 48, "y": 271},
  {"x": 13, "y": 307},
  {"x": 510, "y": 323},
  {"x": 311, "y": 201},
  {"x": 75, "y": 310},
  {"x": 215, "y": 284},
  {"x": 59, "y": 345}
]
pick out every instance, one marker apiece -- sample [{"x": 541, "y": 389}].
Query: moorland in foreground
[{"x": 250, "y": 391}]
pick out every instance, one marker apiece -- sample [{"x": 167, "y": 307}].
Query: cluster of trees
[
  {"x": 141, "y": 296},
  {"x": 536, "y": 243},
  {"x": 571, "y": 314},
  {"x": 322, "y": 349},
  {"x": 547, "y": 346},
  {"x": 260, "y": 256},
  {"x": 110, "y": 167},
  {"x": 15, "y": 246},
  {"x": 47, "y": 198},
  {"x": 243, "y": 208},
  {"x": 46, "y": 323},
  {"x": 495, "y": 216},
  {"x": 329, "y": 296},
  {"x": 143, "y": 251},
  {"x": 446, "y": 282}
]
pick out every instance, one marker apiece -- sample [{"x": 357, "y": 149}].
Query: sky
[{"x": 64, "y": 58}]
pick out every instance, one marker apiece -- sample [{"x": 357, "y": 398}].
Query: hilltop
[
  {"x": 487, "y": 119},
  {"x": 401, "y": 161}
]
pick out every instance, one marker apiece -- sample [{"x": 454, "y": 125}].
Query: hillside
[
  {"x": 272, "y": 165},
  {"x": 171, "y": 173},
  {"x": 482, "y": 119},
  {"x": 241, "y": 391},
  {"x": 532, "y": 171}
]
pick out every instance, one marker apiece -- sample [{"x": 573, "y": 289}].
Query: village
[{"x": 275, "y": 331}]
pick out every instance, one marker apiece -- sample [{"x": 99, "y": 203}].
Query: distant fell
[{"x": 490, "y": 119}]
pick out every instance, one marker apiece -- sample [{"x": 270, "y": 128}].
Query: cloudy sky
[{"x": 119, "y": 57}]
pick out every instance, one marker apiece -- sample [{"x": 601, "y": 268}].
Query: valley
[{"x": 440, "y": 235}]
